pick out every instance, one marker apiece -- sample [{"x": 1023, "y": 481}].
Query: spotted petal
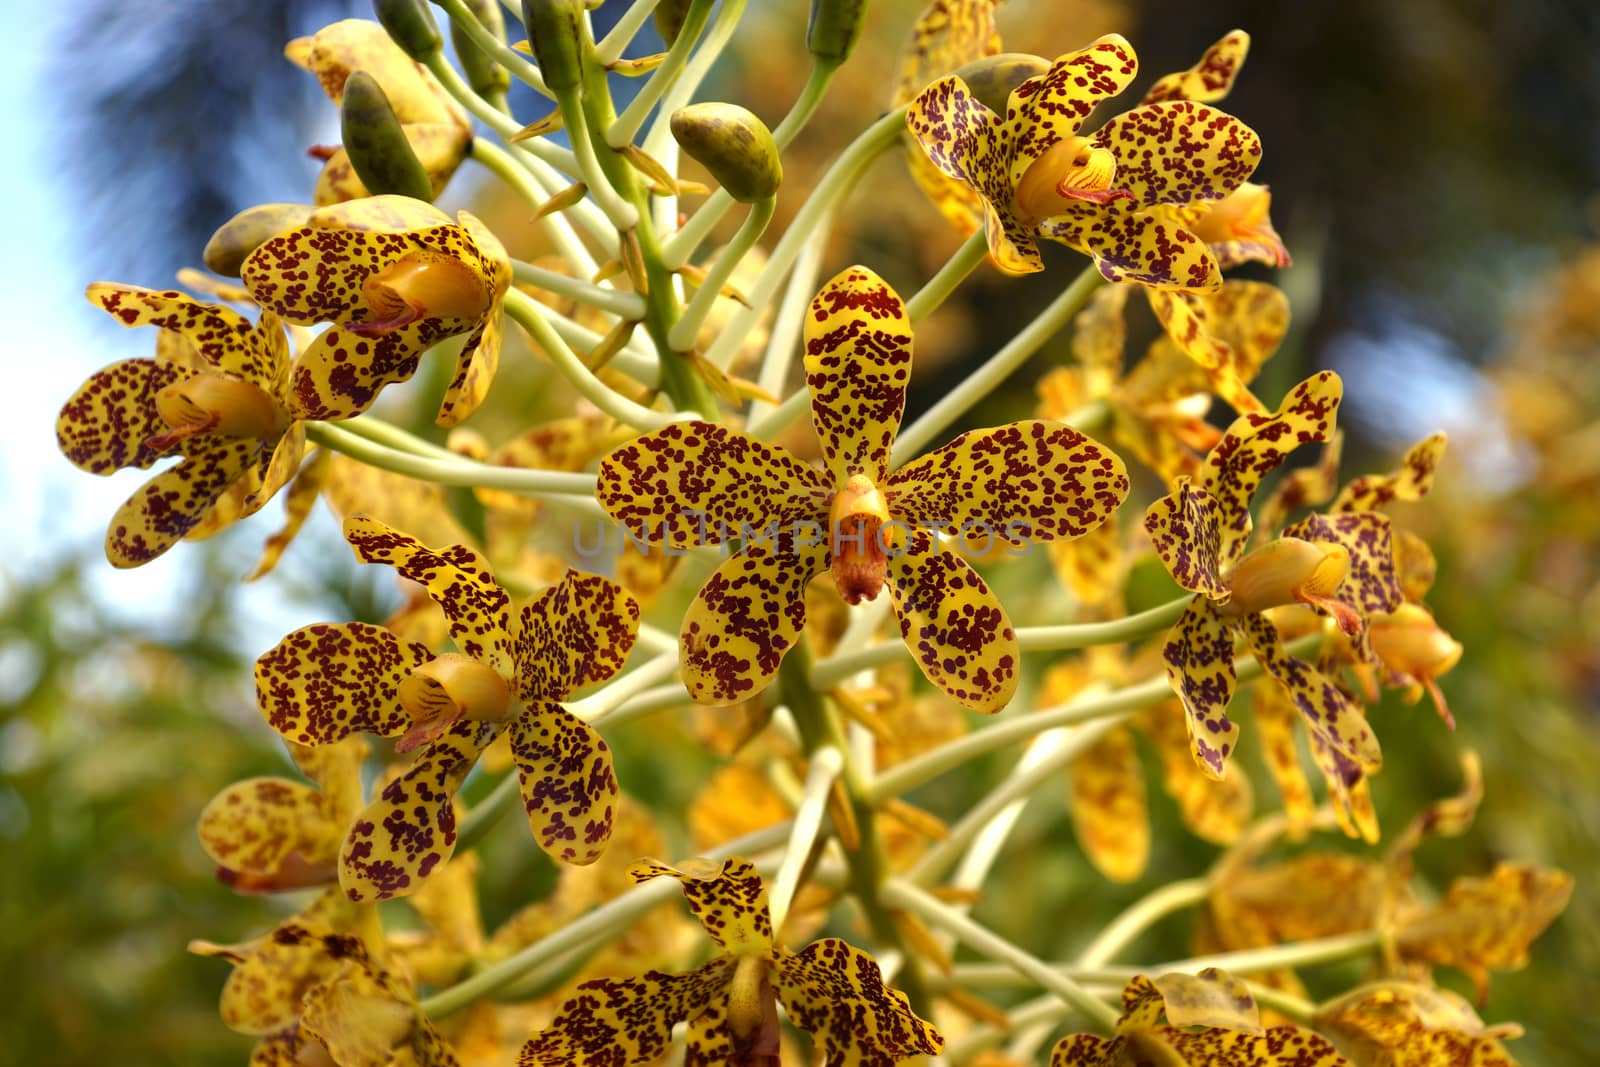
[
  {"x": 744, "y": 620},
  {"x": 304, "y": 491},
  {"x": 1109, "y": 815},
  {"x": 365, "y": 1017},
  {"x": 456, "y": 577},
  {"x": 625, "y": 1021},
  {"x": 104, "y": 426},
  {"x": 1327, "y": 711},
  {"x": 948, "y": 34},
  {"x": 1210, "y": 79},
  {"x": 1372, "y": 583},
  {"x": 1024, "y": 481},
  {"x": 858, "y": 363},
  {"x": 954, "y": 626},
  {"x": 339, "y": 374},
  {"x": 1255, "y": 444},
  {"x": 1051, "y": 107},
  {"x": 1212, "y": 810},
  {"x": 698, "y": 483},
  {"x": 1210, "y": 998},
  {"x": 325, "y": 682},
  {"x": 1179, "y": 152},
  {"x": 1411, "y": 481},
  {"x": 1199, "y": 660},
  {"x": 1349, "y": 794},
  {"x": 338, "y": 50},
  {"x": 574, "y": 634},
  {"x": 410, "y": 830},
  {"x": 225, "y": 339},
  {"x": 1230, "y": 333},
  {"x": 1184, "y": 528},
  {"x": 1274, "y": 723},
  {"x": 568, "y": 787},
  {"x": 728, "y": 899},
  {"x": 1303, "y": 487},
  {"x": 253, "y": 827},
  {"x": 837, "y": 994},
  {"x": 175, "y": 501},
  {"x": 1135, "y": 246}
]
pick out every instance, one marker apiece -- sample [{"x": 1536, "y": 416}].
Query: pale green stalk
[
  {"x": 616, "y": 42},
  {"x": 1140, "y": 916},
  {"x": 623, "y": 215},
  {"x": 534, "y": 194},
  {"x": 661, "y": 698},
  {"x": 389, "y": 435},
  {"x": 537, "y": 148},
  {"x": 633, "y": 360},
  {"x": 628, "y": 124},
  {"x": 530, "y": 314},
  {"x": 789, "y": 323},
  {"x": 1000, "y": 366},
  {"x": 622, "y": 304},
  {"x": 687, "y": 328},
  {"x": 519, "y": 65},
  {"x": 612, "y": 696},
  {"x": 973, "y": 251},
  {"x": 936, "y": 913},
  {"x": 824, "y": 767}
]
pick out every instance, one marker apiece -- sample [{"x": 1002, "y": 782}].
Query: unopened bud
[
  {"x": 232, "y": 244},
  {"x": 411, "y": 26},
  {"x": 376, "y": 143},
  {"x": 670, "y": 16},
  {"x": 992, "y": 78},
  {"x": 734, "y": 145},
  {"x": 834, "y": 28},
  {"x": 555, "y": 30},
  {"x": 486, "y": 76}
]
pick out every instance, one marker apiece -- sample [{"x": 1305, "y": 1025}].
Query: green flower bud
[
  {"x": 376, "y": 142},
  {"x": 734, "y": 145},
  {"x": 670, "y": 15},
  {"x": 835, "y": 27},
  {"x": 411, "y": 26},
  {"x": 487, "y": 77},
  {"x": 231, "y": 245},
  {"x": 992, "y": 78},
  {"x": 555, "y": 29}
]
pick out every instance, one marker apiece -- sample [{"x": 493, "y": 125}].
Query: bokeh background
[{"x": 1434, "y": 166}]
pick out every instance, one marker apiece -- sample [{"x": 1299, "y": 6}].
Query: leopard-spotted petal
[
  {"x": 1255, "y": 444},
  {"x": 948, "y": 34},
  {"x": 256, "y": 826},
  {"x": 304, "y": 490},
  {"x": 1135, "y": 246},
  {"x": 1303, "y": 487},
  {"x": 574, "y": 634},
  {"x": 1179, "y": 152},
  {"x": 479, "y": 358},
  {"x": 837, "y": 994},
  {"x": 1281, "y": 1046},
  {"x": 1109, "y": 815},
  {"x": 727, "y": 898},
  {"x": 1210, "y": 79},
  {"x": 1274, "y": 724},
  {"x": 1199, "y": 662},
  {"x": 175, "y": 501},
  {"x": 954, "y": 626},
  {"x": 456, "y": 577},
  {"x": 336, "y": 51},
  {"x": 609, "y": 1022},
  {"x": 365, "y": 1017},
  {"x": 325, "y": 682},
  {"x": 339, "y": 374},
  {"x": 225, "y": 339},
  {"x": 1024, "y": 481},
  {"x": 1372, "y": 583},
  {"x": 1411, "y": 481},
  {"x": 1051, "y": 107},
  {"x": 105, "y": 425},
  {"x": 1327, "y": 711},
  {"x": 410, "y": 830},
  {"x": 697, "y": 483},
  {"x": 743, "y": 621},
  {"x": 1349, "y": 794},
  {"x": 1212, "y": 810},
  {"x": 1185, "y": 530},
  {"x": 857, "y": 342},
  {"x": 569, "y": 789},
  {"x": 1230, "y": 333}
]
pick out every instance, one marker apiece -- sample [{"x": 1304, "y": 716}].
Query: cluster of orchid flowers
[{"x": 1158, "y": 197}]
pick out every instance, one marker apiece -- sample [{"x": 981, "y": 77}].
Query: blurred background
[{"x": 1434, "y": 167}]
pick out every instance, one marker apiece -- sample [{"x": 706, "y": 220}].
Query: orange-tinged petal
[
  {"x": 1024, "y": 481},
  {"x": 1274, "y": 723},
  {"x": 254, "y": 826},
  {"x": 1199, "y": 662},
  {"x": 1230, "y": 333},
  {"x": 172, "y": 503},
  {"x": 1109, "y": 816},
  {"x": 1179, "y": 152},
  {"x": 1413, "y": 1025},
  {"x": 1185, "y": 530},
  {"x": 336, "y": 51},
  {"x": 1051, "y": 107},
  {"x": 1349, "y": 793},
  {"x": 1371, "y": 583},
  {"x": 105, "y": 425},
  {"x": 697, "y": 483},
  {"x": 410, "y": 830},
  {"x": 325, "y": 682},
  {"x": 574, "y": 634},
  {"x": 837, "y": 994},
  {"x": 225, "y": 339},
  {"x": 954, "y": 626},
  {"x": 728, "y": 899},
  {"x": 568, "y": 787},
  {"x": 1411, "y": 481},
  {"x": 1210, "y": 79},
  {"x": 609, "y": 1022},
  {"x": 1327, "y": 711},
  {"x": 458, "y": 580},
  {"x": 858, "y": 363},
  {"x": 1135, "y": 246},
  {"x": 743, "y": 621}
]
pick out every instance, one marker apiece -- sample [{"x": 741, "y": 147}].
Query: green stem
[
  {"x": 576, "y": 112},
  {"x": 519, "y": 65},
  {"x": 789, "y": 323},
  {"x": 488, "y": 811},
  {"x": 610, "y": 49},
  {"x": 603, "y": 923},
  {"x": 914, "y": 438},
  {"x": 1120, "y": 704},
  {"x": 805, "y": 105},
  {"x": 622, "y": 129},
  {"x": 1140, "y": 916},
  {"x": 534, "y": 194},
  {"x": 973, "y": 251},
  {"x": 687, "y": 328},
  {"x": 981, "y": 939},
  {"x": 622, "y": 304},
  {"x": 536, "y": 149},
  {"x": 389, "y": 435},
  {"x": 868, "y": 864},
  {"x": 825, "y": 766},
  {"x": 835, "y": 669}
]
